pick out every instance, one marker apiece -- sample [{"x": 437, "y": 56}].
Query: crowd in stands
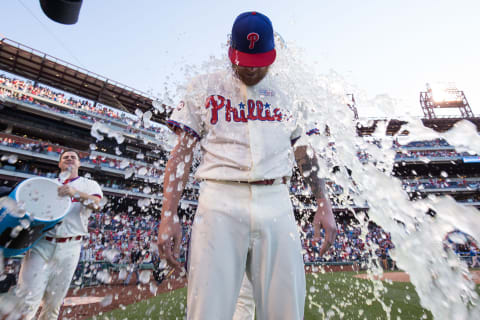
[
  {"x": 150, "y": 171},
  {"x": 414, "y": 150},
  {"x": 113, "y": 236},
  {"x": 437, "y": 148},
  {"x": 416, "y": 154},
  {"x": 26, "y": 91},
  {"x": 440, "y": 183},
  {"x": 35, "y": 146},
  {"x": 465, "y": 246},
  {"x": 436, "y": 143},
  {"x": 96, "y": 160},
  {"x": 349, "y": 245}
]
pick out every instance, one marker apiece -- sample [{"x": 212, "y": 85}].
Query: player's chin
[{"x": 251, "y": 81}]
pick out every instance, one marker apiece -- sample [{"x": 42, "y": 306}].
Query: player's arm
[
  {"x": 308, "y": 164},
  {"x": 169, "y": 231},
  {"x": 90, "y": 201}
]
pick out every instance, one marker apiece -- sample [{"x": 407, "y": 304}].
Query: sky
[{"x": 384, "y": 48}]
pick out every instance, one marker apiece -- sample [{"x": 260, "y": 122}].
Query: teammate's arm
[
  {"x": 308, "y": 165},
  {"x": 170, "y": 231}
]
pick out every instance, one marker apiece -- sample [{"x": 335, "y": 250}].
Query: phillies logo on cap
[
  {"x": 252, "y": 42},
  {"x": 252, "y": 37}
]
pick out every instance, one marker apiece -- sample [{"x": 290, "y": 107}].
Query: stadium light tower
[{"x": 441, "y": 96}]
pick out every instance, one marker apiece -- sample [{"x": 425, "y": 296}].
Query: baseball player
[
  {"x": 47, "y": 269},
  {"x": 244, "y": 223}
]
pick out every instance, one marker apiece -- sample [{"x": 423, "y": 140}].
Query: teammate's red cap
[{"x": 252, "y": 42}]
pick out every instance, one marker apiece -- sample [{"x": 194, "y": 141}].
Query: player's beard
[{"x": 250, "y": 76}]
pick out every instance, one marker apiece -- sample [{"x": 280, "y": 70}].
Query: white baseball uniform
[
  {"x": 245, "y": 307},
  {"x": 246, "y": 135},
  {"x": 47, "y": 269}
]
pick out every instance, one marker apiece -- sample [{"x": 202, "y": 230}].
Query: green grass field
[{"x": 329, "y": 296}]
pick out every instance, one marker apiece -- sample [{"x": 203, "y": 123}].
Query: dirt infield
[
  {"x": 404, "y": 277},
  {"x": 87, "y": 302}
]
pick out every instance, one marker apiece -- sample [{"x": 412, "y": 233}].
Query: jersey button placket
[{"x": 252, "y": 147}]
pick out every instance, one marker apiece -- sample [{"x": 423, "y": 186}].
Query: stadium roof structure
[{"x": 37, "y": 66}]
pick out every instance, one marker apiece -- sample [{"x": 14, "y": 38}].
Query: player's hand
[
  {"x": 66, "y": 191},
  {"x": 169, "y": 240},
  {"x": 324, "y": 220}
]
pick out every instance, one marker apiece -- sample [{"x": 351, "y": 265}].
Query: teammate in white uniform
[
  {"x": 244, "y": 222},
  {"x": 48, "y": 267}
]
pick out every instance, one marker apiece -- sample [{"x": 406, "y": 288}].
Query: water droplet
[
  {"x": 111, "y": 254},
  {"x": 106, "y": 301},
  {"x": 145, "y": 276},
  {"x": 153, "y": 289},
  {"x": 158, "y": 105},
  {"x": 104, "y": 276},
  {"x": 12, "y": 159},
  {"x": 129, "y": 172},
  {"x": 122, "y": 275}
]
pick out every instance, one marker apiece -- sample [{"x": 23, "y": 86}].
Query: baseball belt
[{"x": 268, "y": 182}]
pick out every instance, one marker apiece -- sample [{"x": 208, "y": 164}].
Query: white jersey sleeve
[
  {"x": 186, "y": 115},
  {"x": 95, "y": 189}
]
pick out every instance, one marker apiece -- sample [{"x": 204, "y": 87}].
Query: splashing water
[
  {"x": 122, "y": 275},
  {"x": 147, "y": 119},
  {"x": 124, "y": 163},
  {"x": 98, "y": 129},
  {"x": 158, "y": 106},
  {"x": 441, "y": 280},
  {"x": 437, "y": 275},
  {"x": 153, "y": 288},
  {"x": 11, "y": 159},
  {"x": 64, "y": 175},
  {"x": 145, "y": 276},
  {"x": 111, "y": 254},
  {"x": 106, "y": 301},
  {"x": 104, "y": 276},
  {"x": 142, "y": 171}
]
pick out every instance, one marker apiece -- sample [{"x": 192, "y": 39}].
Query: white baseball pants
[
  {"x": 45, "y": 276},
  {"x": 242, "y": 228}
]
